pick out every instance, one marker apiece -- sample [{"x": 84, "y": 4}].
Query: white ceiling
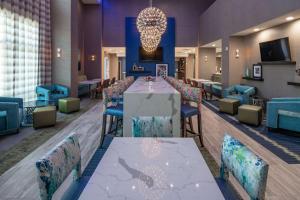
[
  {"x": 90, "y": 1},
  {"x": 216, "y": 44}
]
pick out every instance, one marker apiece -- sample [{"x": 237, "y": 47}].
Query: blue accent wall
[{"x": 133, "y": 43}]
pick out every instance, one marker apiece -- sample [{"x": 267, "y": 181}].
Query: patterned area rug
[
  {"x": 285, "y": 146},
  {"x": 13, "y": 155}
]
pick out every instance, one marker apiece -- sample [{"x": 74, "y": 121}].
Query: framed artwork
[
  {"x": 257, "y": 71},
  {"x": 162, "y": 70}
]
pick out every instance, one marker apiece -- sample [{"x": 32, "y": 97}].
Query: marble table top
[
  {"x": 152, "y": 169},
  {"x": 159, "y": 86}
]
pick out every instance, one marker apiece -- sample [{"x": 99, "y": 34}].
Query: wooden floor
[
  {"x": 283, "y": 179},
  {"x": 20, "y": 181}
]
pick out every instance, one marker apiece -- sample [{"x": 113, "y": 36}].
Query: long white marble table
[
  {"x": 157, "y": 98},
  {"x": 152, "y": 169}
]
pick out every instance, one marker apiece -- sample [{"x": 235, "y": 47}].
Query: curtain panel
[{"x": 25, "y": 47}]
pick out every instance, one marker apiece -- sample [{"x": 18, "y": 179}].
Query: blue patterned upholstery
[
  {"x": 188, "y": 111},
  {"x": 152, "y": 127},
  {"x": 115, "y": 110},
  {"x": 249, "y": 169},
  {"x": 57, "y": 165}
]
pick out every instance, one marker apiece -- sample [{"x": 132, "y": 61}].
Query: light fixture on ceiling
[
  {"x": 214, "y": 45},
  {"x": 151, "y": 23},
  {"x": 290, "y": 18},
  {"x": 256, "y": 29}
]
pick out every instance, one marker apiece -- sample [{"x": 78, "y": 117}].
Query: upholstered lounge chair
[
  {"x": 52, "y": 92},
  {"x": 11, "y": 115},
  {"x": 239, "y": 92},
  {"x": 284, "y": 113}
]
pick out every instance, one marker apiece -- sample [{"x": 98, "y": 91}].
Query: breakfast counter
[{"x": 151, "y": 98}]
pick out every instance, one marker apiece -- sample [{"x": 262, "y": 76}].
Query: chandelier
[{"x": 151, "y": 23}]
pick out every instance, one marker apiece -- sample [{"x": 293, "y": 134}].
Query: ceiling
[
  {"x": 216, "y": 44},
  {"x": 269, "y": 24},
  {"x": 90, "y": 1},
  {"x": 184, "y": 51}
]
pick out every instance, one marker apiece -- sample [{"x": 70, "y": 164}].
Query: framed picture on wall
[
  {"x": 162, "y": 70},
  {"x": 257, "y": 71}
]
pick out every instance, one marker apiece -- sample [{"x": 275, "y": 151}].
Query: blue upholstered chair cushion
[
  {"x": 152, "y": 127},
  {"x": 3, "y": 120},
  {"x": 187, "y": 110},
  {"x": 55, "y": 167},
  {"x": 249, "y": 169},
  {"x": 116, "y": 110}
]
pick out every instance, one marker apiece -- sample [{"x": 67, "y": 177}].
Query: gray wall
[
  {"x": 225, "y": 18},
  {"x": 207, "y": 69},
  {"x": 64, "y": 25},
  {"x": 190, "y": 66},
  {"x": 236, "y": 65},
  {"x": 185, "y": 12},
  {"x": 276, "y": 77}
]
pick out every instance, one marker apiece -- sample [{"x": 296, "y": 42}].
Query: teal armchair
[
  {"x": 239, "y": 92},
  {"x": 11, "y": 115},
  {"x": 52, "y": 92},
  {"x": 284, "y": 113}
]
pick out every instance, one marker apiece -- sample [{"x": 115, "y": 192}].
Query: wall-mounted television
[
  {"x": 155, "y": 56},
  {"x": 276, "y": 50}
]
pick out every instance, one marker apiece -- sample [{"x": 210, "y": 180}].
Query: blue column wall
[{"x": 133, "y": 43}]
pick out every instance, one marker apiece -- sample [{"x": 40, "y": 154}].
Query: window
[{"x": 19, "y": 49}]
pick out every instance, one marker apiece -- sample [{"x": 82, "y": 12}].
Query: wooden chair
[
  {"x": 188, "y": 81},
  {"x": 56, "y": 166},
  {"x": 248, "y": 169},
  {"x": 99, "y": 90},
  {"x": 113, "y": 80},
  {"x": 189, "y": 95}
]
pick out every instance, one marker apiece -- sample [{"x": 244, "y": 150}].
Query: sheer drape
[{"x": 25, "y": 47}]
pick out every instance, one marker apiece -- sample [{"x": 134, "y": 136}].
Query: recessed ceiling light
[
  {"x": 256, "y": 29},
  {"x": 213, "y": 45},
  {"x": 290, "y": 18}
]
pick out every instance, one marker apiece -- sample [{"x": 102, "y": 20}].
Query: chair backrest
[
  {"x": 191, "y": 94},
  {"x": 12, "y": 100},
  {"x": 249, "y": 169},
  {"x": 57, "y": 165},
  {"x": 194, "y": 83},
  {"x": 109, "y": 94},
  {"x": 106, "y": 83},
  {"x": 152, "y": 126},
  {"x": 113, "y": 80},
  {"x": 188, "y": 81},
  {"x": 242, "y": 88}
]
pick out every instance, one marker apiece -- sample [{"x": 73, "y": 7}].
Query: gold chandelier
[{"x": 151, "y": 23}]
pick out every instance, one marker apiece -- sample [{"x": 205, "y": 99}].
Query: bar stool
[
  {"x": 112, "y": 109},
  {"x": 189, "y": 95}
]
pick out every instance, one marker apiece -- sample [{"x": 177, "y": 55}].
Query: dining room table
[
  {"x": 152, "y": 169},
  {"x": 154, "y": 98}
]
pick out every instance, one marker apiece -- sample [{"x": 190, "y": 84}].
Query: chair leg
[
  {"x": 184, "y": 128},
  {"x": 200, "y": 130},
  {"x": 103, "y": 130},
  {"x": 191, "y": 124},
  {"x": 111, "y": 119}
]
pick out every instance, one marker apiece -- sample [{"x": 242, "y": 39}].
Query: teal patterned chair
[
  {"x": 56, "y": 166},
  {"x": 152, "y": 126},
  {"x": 248, "y": 169}
]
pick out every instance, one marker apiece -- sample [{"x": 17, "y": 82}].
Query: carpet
[
  {"x": 13, "y": 155},
  {"x": 285, "y": 146}
]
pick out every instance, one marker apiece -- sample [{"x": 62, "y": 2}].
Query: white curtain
[{"x": 19, "y": 45}]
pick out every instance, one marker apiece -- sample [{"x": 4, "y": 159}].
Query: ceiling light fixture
[
  {"x": 213, "y": 45},
  {"x": 152, "y": 24},
  {"x": 256, "y": 30},
  {"x": 290, "y": 18}
]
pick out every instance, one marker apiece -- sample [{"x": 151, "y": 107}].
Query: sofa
[
  {"x": 11, "y": 115},
  {"x": 83, "y": 89},
  {"x": 239, "y": 92},
  {"x": 52, "y": 92},
  {"x": 284, "y": 113}
]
